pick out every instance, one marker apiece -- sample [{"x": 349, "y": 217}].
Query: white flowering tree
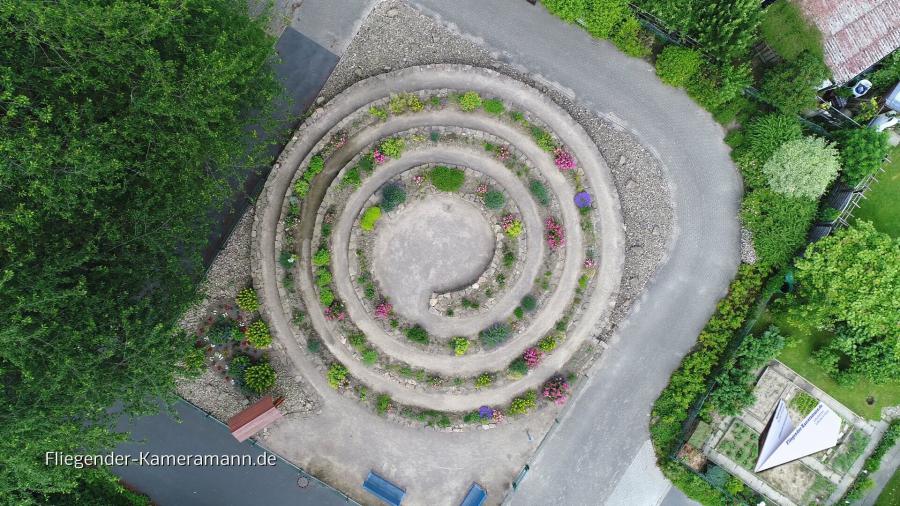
[{"x": 803, "y": 167}]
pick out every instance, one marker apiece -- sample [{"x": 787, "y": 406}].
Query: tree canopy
[
  {"x": 849, "y": 282},
  {"x": 122, "y": 122},
  {"x": 802, "y": 167}
]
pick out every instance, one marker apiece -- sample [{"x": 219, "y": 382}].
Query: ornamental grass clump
[
  {"x": 258, "y": 335},
  {"x": 540, "y": 192},
  {"x": 417, "y": 334},
  {"x": 493, "y": 106},
  {"x": 557, "y": 389},
  {"x": 494, "y": 199},
  {"x": 247, "y": 300},
  {"x": 555, "y": 234},
  {"x": 495, "y": 335},
  {"x": 259, "y": 378},
  {"x": 392, "y": 196},
  {"x": 447, "y": 179}
]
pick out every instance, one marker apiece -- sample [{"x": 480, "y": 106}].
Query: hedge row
[{"x": 863, "y": 482}]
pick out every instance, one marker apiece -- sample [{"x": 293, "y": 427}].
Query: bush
[
  {"x": 247, "y": 300},
  {"x": 392, "y": 147},
  {"x": 627, "y": 37},
  {"x": 194, "y": 362},
  {"x": 313, "y": 345},
  {"x": 259, "y": 378},
  {"x": 522, "y": 404},
  {"x": 567, "y": 10},
  {"x": 417, "y": 334},
  {"x": 493, "y": 106},
  {"x": 791, "y": 86},
  {"x": 788, "y": 33},
  {"x": 460, "y": 346},
  {"x": 540, "y": 192},
  {"x": 734, "y": 389},
  {"x": 326, "y": 297},
  {"x": 258, "y": 335},
  {"x": 406, "y": 101},
  {"x": 802, "y": 167},
  {"x": 494, "y": 199},
  {"x": 518, "y": 368},
  {"x": 301, "y": 188},
  {"x": 322, "y": 257},
  {"x": 529, "y": 303},
  {"x": 369, "y": 356},
  {"x": 222, "y": 330},
  {"x": 804, "y": 403},
  {"x": 316, "y": 165},
  {"x": 323, "y": 277},
  {"x": 352, "y": 178},
  {"x": 543, "y": 139},
  {"x": 378, "y": 112},
  {"x": 383, "y": 404},
  {"x": 237, "y": 366},
  {"x": 548, "y": 343},
  {"x": 519, "y": 313},
  {"x": 603, "y": 16},
  {"x": 337, "y": 375},
  {"x": 677, "y": 65},
  {"x": 483, "y": 380},
  {"x": 779, "y": 224},
  {"x": 392, "y": 196},
  {"x": 369, "y": 218},
  {"x": 862, "y": 152},
  {"x": 495, "y": 335},
  {"x": 447, "y": 179},
  {"x": 469, "y": 101},
  {"x": 766, "y": 134},
  {"x": 889, "y": 73}
]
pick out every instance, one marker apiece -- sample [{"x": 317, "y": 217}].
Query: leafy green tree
[
  {"x": 725, "y": 28},
  {"x": 677, "y": 65},
  {"x": 802, "y": 167},
  {"x": 850, "y": 282},
  {"x": 862, "y": 151},
  {"x": 779, "y": 224},
  {"x": 123, "y": 122},
  {"x": 889, "y": 73},
  {"x": 788, "y": 33},
  {"x": 734, "y": 389},
  {"x": 766, "y": 134},
  {"x": 791, "y": 86},
  {"x": 603, "y": 16}
]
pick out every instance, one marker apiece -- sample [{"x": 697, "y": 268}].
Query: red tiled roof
[
  {"x": 253, "y": 419},
  {"x": 856, "y": 33}
]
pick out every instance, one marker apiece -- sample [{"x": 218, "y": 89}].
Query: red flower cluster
[
  {"x": 556, "y": 235},
  {"x": 564, "y": 160},
  {"x": 533, "y": 357},
  {"x": 557, "y": 390}
]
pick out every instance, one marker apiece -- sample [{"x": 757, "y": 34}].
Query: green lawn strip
[
  {"x": 880, "y": 204},
  {"x": 890, "y": 496},
  {"x": 798, "y": 357}
]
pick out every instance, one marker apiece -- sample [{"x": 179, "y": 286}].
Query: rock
[
  {"x": 391, "y": 13},
  {"x": 320, "y": 100},
  {"x": 629, "y": 184}
]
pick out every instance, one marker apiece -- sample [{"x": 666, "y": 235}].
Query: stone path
[{"x": 439, "y": 77}]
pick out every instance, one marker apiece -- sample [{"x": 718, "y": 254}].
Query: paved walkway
[
  {"x": 486, "y": 82},
  {"x": 889, "y": 465},
  {"x": 607, "y": 424}
]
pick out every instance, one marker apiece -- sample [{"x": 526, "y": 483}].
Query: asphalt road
[
  {"x": 220, "y": 485},
  {"x": 601, "y": 433}
]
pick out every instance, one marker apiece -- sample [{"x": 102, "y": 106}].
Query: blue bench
[
  {"x": 475, "y": 497},
  {"x": 383, "y": 489}
]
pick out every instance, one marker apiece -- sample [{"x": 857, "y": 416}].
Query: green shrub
[
  {"x": 734, "y": 387},
  {"x": 567, "y": 10},
  {"x": 540, "y": 192},
  {"x": 543, "y": 139},
  {"x": 337, "y": 375},
  {"x": 259, "y": 378},
  {"x": 392, "y": 195},
  {"x": 417, "y": 334},
  {"x": 766, "y": 134},
  {"x": 494, "y": 199},
  {"x": 788, "y": 33},
  {"x": 323, "y": 277},
  {"x": 357, "y": 340},
  {"x": 509, "y": 258},
  {"x": 548, "y": 343},
  {"x": 862, "y": 152},
  {"x": 369, "y": 218},
  {"x": 383, "y": 404},
  {"x": 693, "y": 485},
  {"x": 522, "y": 404},
  {"x": 369, "y": 356},
  {"x": 519, "y": 313},
  {"x": 316, "y": 164},
  {"x": 367, "y": 162},
  {"x": 352, "y": 178},
  {"x": 518, "y": 368},
  {"x": 889, "y": 72},
  {"x": 378, "y": 112},
  {"x": 779, "y": 224},
  {"x": 326, "y": 297},
  {"x": 677, "y": 65},
  {"x": 404, "y": 102},
  {"x": 469, "y": 101},
  {"x": 628, "y": 38},
  {"x": 222, "y": 331},
  {"x": 804, "y": 403},
  {"x": 791, "y": 86},
  {"x": 247, "y": 300},
  {"x": 460, "y": 345},
  {"x": 194, "y": 362},
  {"x": 802, "y": 167},
  {"x": 447, "y": 179},
  {"x": 603, "y": 16},
  {"x": 301, "y": 188},
  {"x": 393, "y": 147},
  {"x": 237, "y": 366},
  {"x": 322, "y": 257},
  {"x": 484, "y": 380},
  {"x": 258, "y": 335},
  {"x": 313, "y": 345},
  {"x": 495, "y": 335},
  {"x": 529, "y": 303},
  {"x": 493, "y": 106}
]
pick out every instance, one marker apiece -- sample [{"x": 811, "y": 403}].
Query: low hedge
[{"x": 863, "y": 482}]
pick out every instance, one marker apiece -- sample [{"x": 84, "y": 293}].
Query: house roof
[{"x": 856, "y": 33}]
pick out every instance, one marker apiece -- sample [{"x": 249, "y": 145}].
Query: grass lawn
[
  {"x": 880, "y": 205},
  {"x": 799, "y": 358},
  {"x": 890, "y": 496}
]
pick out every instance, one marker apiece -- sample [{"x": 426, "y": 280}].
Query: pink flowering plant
[
  {"x": 557, "y": 390},
  {"x": 589, "y": 263},
  {"x": 497, "y": 417},
  {"x": 383, "y": 310},
  {"x": 532, "y": 357},
  {"x": 481, "y": 189},
  {"x": 503, "y": 153},
  {"x": 379, "y": 157},
  {"x": 556, "y": 235},
  {"x": 418, "y": 179},
  {"x": 563, "y": 159}
]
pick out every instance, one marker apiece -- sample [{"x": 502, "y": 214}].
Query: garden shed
[{"x": 255, "y": 418}]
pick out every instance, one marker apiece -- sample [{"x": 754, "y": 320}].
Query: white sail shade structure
[{"x": 820, "y": 430}]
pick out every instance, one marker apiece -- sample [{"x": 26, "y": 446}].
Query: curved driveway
[{"x": 602, "y": 431}]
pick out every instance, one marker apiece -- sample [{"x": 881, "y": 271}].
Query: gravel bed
[
  {"x": 396, "y": 35},
  {"x": 229, "y": 273}
]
